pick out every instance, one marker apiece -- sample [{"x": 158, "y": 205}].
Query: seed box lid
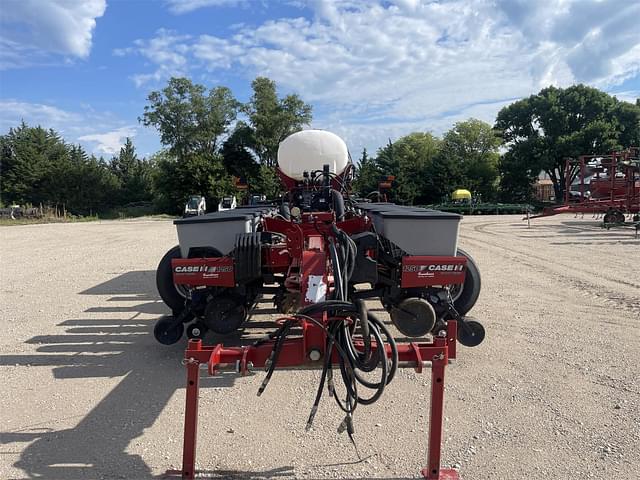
[{"x": 214, "y": 217}]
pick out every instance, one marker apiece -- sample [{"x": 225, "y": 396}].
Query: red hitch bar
[{"x": 295, "y": 354}]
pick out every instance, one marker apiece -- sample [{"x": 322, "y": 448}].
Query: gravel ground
[{"x": 553, "y": 392}]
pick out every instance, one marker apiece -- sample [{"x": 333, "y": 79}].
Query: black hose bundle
[
  {"x": 348, "y": 323},
  {"x": 341, "y": 339}
]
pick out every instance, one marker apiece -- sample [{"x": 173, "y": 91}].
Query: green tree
[
  {"x": 472, "y": 147},
  {"x": 174, "y": 180},
  {"x": 386, "y": 160},
  {"x": 39, "y": 167},
  {"x": 237, "y": 156},
  {"x": 271, "y": 119},
  {"x": 190, "y": 119},
  {"x": 367, "y": 174},
  {"x": 192, "y": 123},
  {"x": 125, "y": 164},
  {"x": 266, "y": 182},
  {"x": 28, "y": 155},
  {"x": 444, "y": 176},
  {"x": 415, "y": 154},
  {"x": 557, "y": 123},
  {"x": 516, "y": 177},
  {"x": 133, "y": 174},
  {"x": 82, "y": 183}
]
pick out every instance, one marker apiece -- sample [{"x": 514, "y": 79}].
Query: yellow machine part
[{"x": 461, "y": 194}]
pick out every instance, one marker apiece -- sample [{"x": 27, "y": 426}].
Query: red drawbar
[
  {"x": 216, "y": 272},
  {"x": 420, "y": 271},
  {"x": 295, "y": 352}
]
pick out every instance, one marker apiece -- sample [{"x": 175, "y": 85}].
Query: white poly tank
[{"x": 310, "y": 150}]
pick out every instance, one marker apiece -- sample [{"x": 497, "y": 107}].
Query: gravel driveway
[{"x": 553, "y": 392}]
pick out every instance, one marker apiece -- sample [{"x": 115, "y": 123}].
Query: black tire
[
  {"x": 167, "y": 332},
  {"x": 164, "y": 281},
  {"x": 471, "y": 333},
  {"x": 471, "y": 287}
]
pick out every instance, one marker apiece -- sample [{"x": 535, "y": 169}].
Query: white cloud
[
  {"x": 178, "y": 7},
  {"x": 99, "y": 131},
  {"x": 109, "y": 142},
  {"x": 167, "y": 50},
  {"x": 383, "y": 68},
  {"x": 631, "y": 96},
  {"x": 14, "y": 112},
  {"x": 591, "y": 37},
  {"x": 32, "y": 27}
]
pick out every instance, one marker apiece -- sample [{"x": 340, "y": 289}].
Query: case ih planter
[{"x": 320, "y": 255}]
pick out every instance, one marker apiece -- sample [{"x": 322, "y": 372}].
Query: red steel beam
[{"x": 294, "y": 354}]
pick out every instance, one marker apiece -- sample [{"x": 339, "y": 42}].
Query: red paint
[
  {"x": 191, "y": 413},
  {"x": 422, "y": 271},
  {"x": 294, "y": 353},
  {"x": 617, "y": 189}
]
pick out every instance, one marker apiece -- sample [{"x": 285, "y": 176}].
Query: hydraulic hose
[
  {"x": 340, "y": 337},
  {"x": 346, "y": 321}
]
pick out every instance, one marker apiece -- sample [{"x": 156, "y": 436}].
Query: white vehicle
[
  {"x": 227, "y": 203},
  {"x": 196, "y": 205},
  {"x": 257, "y": 199}
]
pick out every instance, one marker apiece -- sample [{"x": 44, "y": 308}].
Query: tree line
[
  {"x": 427, "y": 168},
  {"x": 40, "y": 168},
  {"x": 210, "y": 140},
  {"x": 502, "y": 162}
]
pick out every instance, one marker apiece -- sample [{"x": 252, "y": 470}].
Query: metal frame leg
[
  {"x": 191, "y": 421},
  {"x": 433, "y": 471}
]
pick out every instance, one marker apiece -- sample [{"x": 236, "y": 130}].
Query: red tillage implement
[
  {"x": 602, "y": 184},
  {"x": 321, "y": 254}
]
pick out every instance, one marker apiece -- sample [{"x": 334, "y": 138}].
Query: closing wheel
[
  {"x": 414, "y": 317},
  {"x": 465, "y": 296},
  {"x": 470, "y": 333},
  {"x": 614, "y": 216},
  {"x": 224, "y": 315},
  {"x": 167, "y": 331},
  {"x": 172, "y": 295}
]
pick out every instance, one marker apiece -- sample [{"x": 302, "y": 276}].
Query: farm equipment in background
[
  {"x": 227, "y": 203},
  {"x": 464, "y": 203},
  {"x": 321, "y": 255},
  {"x": 603, "y": 185},
  {"x": 16, "y": 211},
  {"x": 196, "y": 205}
]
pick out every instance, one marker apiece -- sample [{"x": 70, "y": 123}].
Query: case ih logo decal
[
  {"x": 203, "y": 269},
  {"x": 216, "y": 272},
  {"x": 422, "y": 271},
  {"x": 428, "y": 270}
]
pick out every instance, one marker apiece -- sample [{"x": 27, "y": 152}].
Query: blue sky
[{"x": 372, "y": 70}]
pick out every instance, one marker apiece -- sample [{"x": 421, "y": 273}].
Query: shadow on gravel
[{"x": 119, "y": 345}]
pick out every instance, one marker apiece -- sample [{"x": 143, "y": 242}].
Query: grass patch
[{"x": 5, "y": 222}]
